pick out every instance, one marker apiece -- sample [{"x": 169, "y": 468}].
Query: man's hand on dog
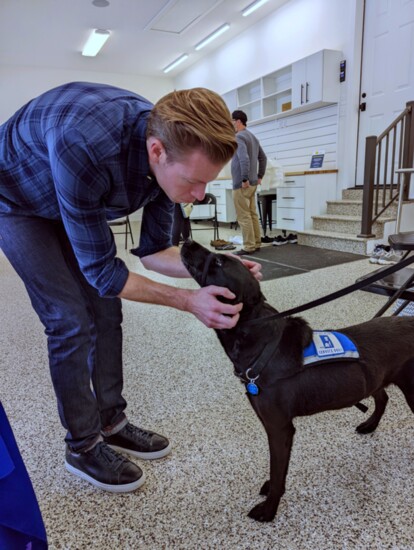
[
  {"x": 203, "y": 303},
  {"x": 254, "y": 268},
  {"x": 214, "y": 313}
]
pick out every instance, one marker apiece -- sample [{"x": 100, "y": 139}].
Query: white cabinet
[
  {"x": 315, "y": 79},
  {"x": 306, "y": 84},
  {"x": 222, "y": 190},
  {"x": 263, "y": 97},
  {"x": 303, "y": 196}
]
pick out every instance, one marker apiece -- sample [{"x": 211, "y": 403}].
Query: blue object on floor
[{"x": 21, "y": 524}]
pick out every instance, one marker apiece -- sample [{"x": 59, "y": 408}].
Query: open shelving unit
[{"x": 280, "y": 93}]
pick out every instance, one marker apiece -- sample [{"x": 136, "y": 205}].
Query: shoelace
[
  {"x": 139, "y": 434},
  {"x": 104, "y": 453}
]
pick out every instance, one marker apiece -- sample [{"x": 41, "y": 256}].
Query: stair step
[
  {"x": 355, "y": 193},
  {"x": 339, "y": 227},
  {"x": 349, "y": 207},
  {"x": 336, "y": 241},
  {"x": 345, "y": 201},
  {"x": 345, "y": 207},
  {"x": 347, "y": 224}
]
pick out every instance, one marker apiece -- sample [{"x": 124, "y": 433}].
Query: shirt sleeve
[
  {"x": 81, "y": 186},
  {"x": 156, "y": 226},
  {"x": 262, "y": 158},
  {"x": 243, "y": 156}
]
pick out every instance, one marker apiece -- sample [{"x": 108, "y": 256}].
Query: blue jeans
[{"x": 83, "y": 330}]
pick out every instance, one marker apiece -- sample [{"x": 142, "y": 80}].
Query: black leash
[{"x": 335, "y": 295}]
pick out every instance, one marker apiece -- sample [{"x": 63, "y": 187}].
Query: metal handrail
[{"x": 379, "y": 168}]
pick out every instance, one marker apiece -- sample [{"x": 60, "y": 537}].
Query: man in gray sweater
[{"x": 248, "y": 167}]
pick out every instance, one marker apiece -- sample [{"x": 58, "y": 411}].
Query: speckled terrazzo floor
[{"x": 344, "y": 491}]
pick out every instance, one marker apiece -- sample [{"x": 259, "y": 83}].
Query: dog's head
[{"x": 208, "y": 268}]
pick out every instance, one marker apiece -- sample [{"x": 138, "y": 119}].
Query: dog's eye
[{"x": 219, "y": 262}]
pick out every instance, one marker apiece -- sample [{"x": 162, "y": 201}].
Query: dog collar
[{"x": 254, "y": 370}]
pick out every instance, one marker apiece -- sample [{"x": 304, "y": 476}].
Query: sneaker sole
[
  {"x": 144, "y": 456},
  {"x": 278, "y": 244},
  {"x": 126, "y": 488},
  {"x": 387, "y": 262},
  {"x": 373, "y": 261}
]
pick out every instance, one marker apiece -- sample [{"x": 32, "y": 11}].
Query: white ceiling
[{"x": 147, "y": 35}]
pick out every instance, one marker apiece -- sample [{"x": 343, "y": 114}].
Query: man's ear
[{"x": 156, "y": 150}]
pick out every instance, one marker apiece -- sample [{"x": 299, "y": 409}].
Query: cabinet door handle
[
  {"x": 288, "y": 197},
  {"x": 289, "y": 219},
  {"x": 301, "y": 94},
  {"x": 307, "y": 94},
  {"x": 290, "y": 181}
]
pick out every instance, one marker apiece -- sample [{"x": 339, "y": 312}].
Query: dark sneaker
[
  {"x": 279, "y": 240},
  {"x": 105, "y": 468},
  {"x": 267, "y": 239},
  {"x": 292, "y": 239},
  {"x": 139, "y": 443}
]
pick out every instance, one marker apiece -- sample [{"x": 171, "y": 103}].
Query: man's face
[
  {"x": 236, "y": 125},
  {"x": 184, "y": 180}
]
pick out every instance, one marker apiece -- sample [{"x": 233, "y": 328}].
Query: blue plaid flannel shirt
[{"x": 77, "y": 153}]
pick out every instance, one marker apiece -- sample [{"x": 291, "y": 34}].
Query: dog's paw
[
  {"x": 262, "y": 512},
  {"x": 265, "y": 488},
  {"x": 366, "y": 427}
]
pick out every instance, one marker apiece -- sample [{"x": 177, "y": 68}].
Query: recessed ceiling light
[
  {"x": 96, "y": 40},
  {"x": 212, "y": 36},
  {"x": 253, "y": 7}
]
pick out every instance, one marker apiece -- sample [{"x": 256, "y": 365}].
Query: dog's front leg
[{"x": 280, "y": 445}]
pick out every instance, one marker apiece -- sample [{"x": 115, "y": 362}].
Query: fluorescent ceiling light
[
  {"x": 212, "y": 36},
  {"x": 96, "y": 40},
  {"x": 253, "y": 7},
  {"x": 174, "y": 64}
]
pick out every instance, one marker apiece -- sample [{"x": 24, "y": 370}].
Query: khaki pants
[{"x": 245, "y": 204}]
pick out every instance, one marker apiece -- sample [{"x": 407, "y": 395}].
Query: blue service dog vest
[{"x": 328, "y": 346}]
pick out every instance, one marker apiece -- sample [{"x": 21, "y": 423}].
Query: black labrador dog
[{"x": 267, "y": 355}]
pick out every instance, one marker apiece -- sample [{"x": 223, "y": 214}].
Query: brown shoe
[
  {"x": 219, "y": 242},
  {"x": 243, "y": 252}
]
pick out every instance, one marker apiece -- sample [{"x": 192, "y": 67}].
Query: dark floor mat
[{"x": 294, "y": 259}]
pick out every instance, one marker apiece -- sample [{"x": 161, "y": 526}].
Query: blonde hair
[{"x": 197, "y": 118}]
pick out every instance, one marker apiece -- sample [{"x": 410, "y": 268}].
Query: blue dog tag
[{"x": 252, "y": 388}]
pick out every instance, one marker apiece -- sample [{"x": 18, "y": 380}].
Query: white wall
[
  {"x": 297, "y": 29},
  {"x": 20, "y": 84}
]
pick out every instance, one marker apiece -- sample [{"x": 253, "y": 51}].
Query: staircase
[
  {"x": 337, "y": 229},
  {"x": 371, "y": 211}
]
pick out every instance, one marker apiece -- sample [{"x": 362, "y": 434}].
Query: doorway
[{"x": 387, "y": 75}]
